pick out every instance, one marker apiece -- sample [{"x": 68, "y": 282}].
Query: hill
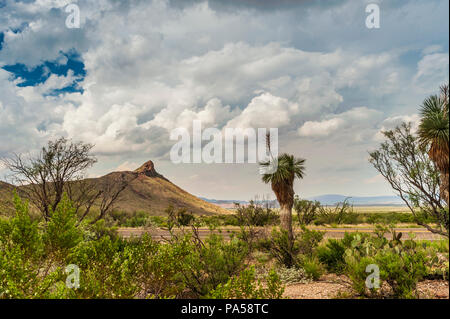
[
  {"x": 151, "y": 192},
  {"x": 6, "y": 196},
  {"x": 147, "y": 191}
]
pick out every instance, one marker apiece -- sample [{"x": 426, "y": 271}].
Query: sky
[{"x": 136, "y": 70}]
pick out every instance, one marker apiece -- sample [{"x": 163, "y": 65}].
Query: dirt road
[{"x": 157, "y": 234}]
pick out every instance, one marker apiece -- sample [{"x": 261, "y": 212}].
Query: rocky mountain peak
[{"x": 148, "y": 169}]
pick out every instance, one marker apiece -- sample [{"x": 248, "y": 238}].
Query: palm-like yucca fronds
[
  {"x": 434, "y": 135},
  {"x": 434, "y": 130},
  {"x": 282, "y": 180},
  {"x": 288, "y": 169}
]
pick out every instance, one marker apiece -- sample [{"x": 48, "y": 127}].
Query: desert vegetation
[
  {"x": 60, "y": 220},
  {"x": 35, "y": 253}
]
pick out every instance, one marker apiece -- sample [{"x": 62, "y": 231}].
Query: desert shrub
[
  {"x": 156, "y": 267},
  {"x": 249, "y": 235},
  {"x": 215, "y": 221},
  {"x": 440, "y": 246},
  {"x": 255, "y": 215},
  {"x": 158, "y": 221},
  {"x": 332, "y": 255},
  {"x": 401, "y": 271},
  {"x": 293, "y": 275},
  {"x": 405, "y": 163},
  {"x": 178, "y": 218},
  {"x": 342, "y": 213},
  {"x": 438, "y": 270},
  {"x": 356, "y": 271},
  {"x": 21, "y": 231},
  {"x": 247, "y": 286},
  {"x": 285, "y": 251},
  {"x": 401, "y": 264},
  {"x": 184, "y": 218},
  {"x": 437, "y": 259},
  {"x": 388, "y": 218},
  {"x": 98, "y": 230},
  {"x": 33, "y": 256},
  {"x": 308, "y": 240},
  {"x": 105, "y": 269},
  {"x": 280, "y": 247},
  {"x": 312, "y": 266},
  {"x": 24, "y": 277},
  {"x": 306, "y": 210},
  {"x": 61, "y": 233},
  {"x": 24, "y": 270},
  {"x": 138, "y": 219},
  {"x": 211, "y": 263}
]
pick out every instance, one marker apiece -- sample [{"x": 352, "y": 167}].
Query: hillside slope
[
  {"x": 151, "y": 192},
  {"x": 6, "y": 198},
  {"x": 147, "y": 191}
]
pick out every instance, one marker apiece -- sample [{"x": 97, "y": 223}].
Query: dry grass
[{"x": 381, "y": 209}]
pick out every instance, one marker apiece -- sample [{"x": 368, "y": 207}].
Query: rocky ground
[{"x": 332, "y": 286}]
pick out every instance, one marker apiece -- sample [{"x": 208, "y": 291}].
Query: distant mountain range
[
  {"x": 328, "y": 199},
  {"x": 333, "y": 199}
]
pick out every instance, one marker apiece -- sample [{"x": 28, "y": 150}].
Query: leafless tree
[
  {"x": 109, "y": 192},
  {"x": 60, "y": 168},
  {"x": 43, "y": 178}
]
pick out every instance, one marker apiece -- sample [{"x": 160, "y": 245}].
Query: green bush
[
  {"x": 308, "y": 240},
  {"x": 247, "y": 286},
  {"x": 21, "y": 231},
  {"x": 157, "y": 266},
  {"x": 401, "y": 265},
  {"x": 24, "y": 277},
  {"x": 33, "y": 258},
  {"x": 105, "y": 271},
  {"x": 138, "y": 219},
  {"x": 280, "y": 247},
  {"x": 61, "y": 233},
  {"x": 98, "y": 230},
  {"x": 401, "y": 271},
  {"x": 25, "y": 272},
  {"x": 178, "y": 218},
  {"x": 332, "y": 255},
  {"x": 437, "y": 261},
  {"x": 255, "y": 215},
  {"x": 307, "y": 211},
  {"x": 356, "y": 271},
  {"x": 312, "y": 267},
  {"x": 184, "y": 218},
  {"x": 285, "y": 251},
  {"x": 211, "y": 263}
]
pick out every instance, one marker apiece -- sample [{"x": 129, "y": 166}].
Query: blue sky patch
[
  {"x": 40, "y": 73},
  {"x": 2, "y": 37}
]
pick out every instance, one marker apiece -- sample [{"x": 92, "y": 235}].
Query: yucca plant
[
  {"x": 282, "y": 182},
  {"x": 434, "y": 135}
]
